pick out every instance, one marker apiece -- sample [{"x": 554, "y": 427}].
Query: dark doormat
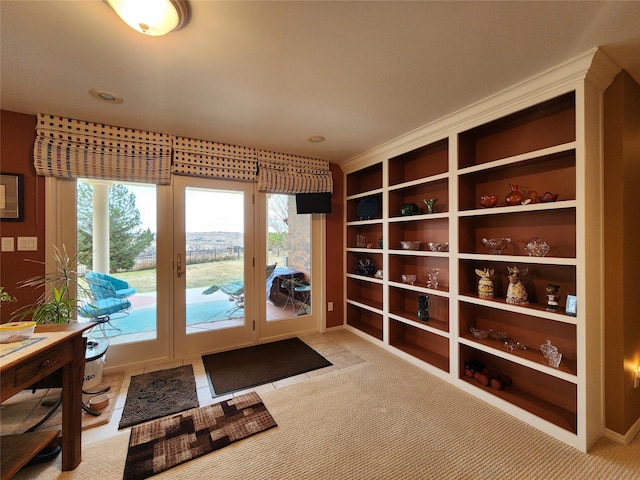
[
  {"x": 259, "y": 364},
  {"x": 160, "y": 393}
]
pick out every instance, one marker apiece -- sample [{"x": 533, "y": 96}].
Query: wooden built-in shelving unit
[{"x": 540, "y": 142}]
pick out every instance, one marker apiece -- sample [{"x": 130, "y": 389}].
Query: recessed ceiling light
[
  {"x": 316, "y": 139},
  {"x": 105, "y": 96}
]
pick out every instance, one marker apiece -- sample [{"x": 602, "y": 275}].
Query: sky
[{"x": 206, "y": 210}]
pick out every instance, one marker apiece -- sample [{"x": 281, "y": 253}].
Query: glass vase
[{"x": 423, "y": 307}]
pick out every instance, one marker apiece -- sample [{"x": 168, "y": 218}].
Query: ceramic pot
[{"x": 514, "y": 197}]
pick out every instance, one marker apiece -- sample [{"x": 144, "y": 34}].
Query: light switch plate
[
  {"x": 8, "y": 244},
  {"x": 27, "y": 244}
]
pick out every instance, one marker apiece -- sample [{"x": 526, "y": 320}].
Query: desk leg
[{"x": 72, "y": 377}]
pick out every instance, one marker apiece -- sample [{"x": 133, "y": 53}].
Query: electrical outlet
[
  {"x": 636, "y": 378},
  {"x": 330, "y": 307}
]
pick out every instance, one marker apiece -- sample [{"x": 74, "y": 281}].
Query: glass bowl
[
  {"x": 438, "y": 246},
  {"x": 537, "y": 247},
  {"x": 496, "y": 245},
  {"x": 410, "y": 279},
  {"x": 410, "y": 244}
]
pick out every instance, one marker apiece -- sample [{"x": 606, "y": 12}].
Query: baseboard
[{"x": 625, "y": 439}]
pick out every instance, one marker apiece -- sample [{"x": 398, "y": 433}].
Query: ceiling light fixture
[
  {"x": 105, "y": 96},
  {"x": 153, "y": 17},
  {"x": 316, "y": 139}
]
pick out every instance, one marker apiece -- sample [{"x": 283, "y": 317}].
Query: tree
[
  {"x": 278, "y": 222},
  {"x": 126, "y": 239}
]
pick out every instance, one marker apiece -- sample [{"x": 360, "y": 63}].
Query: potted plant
[{"x": 55, "y": 304}]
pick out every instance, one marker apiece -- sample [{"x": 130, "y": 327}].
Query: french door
[
  {"x": 200, "y": 284},
  {"x": 214, "y": 304}
]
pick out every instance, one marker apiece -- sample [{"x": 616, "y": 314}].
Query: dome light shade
[{"x": 153, "y": 17}]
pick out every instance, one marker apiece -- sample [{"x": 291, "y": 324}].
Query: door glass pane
[
  {"x": 289, "y": 248},
  {"x": 117, "y": 255},
  {"x": 214, "y": 263}
]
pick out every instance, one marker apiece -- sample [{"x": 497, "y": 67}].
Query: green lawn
[{"x": 200, "y": 275}]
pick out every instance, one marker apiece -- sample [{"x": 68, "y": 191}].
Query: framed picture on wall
[{"x": 11, "y": 197}]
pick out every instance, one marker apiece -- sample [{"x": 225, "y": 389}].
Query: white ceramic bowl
[
  {"x": 99, "y": 401},
  {"x": 16, "y": 331}
]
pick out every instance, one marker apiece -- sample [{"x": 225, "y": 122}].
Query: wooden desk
[{"x": 62, "y": 348}]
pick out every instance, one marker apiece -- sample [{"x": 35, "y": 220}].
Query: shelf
[
  {"x": 530, "y": 309},
  {"x": 360, "y": 196},
  {"x": 531, "y": 207},
  {"x": 548, "y": 260},
  {"x": 366, "y": 180},
  {"x": 365, "y": 293},
  {"x": 419, "y": 253},
  {"x": 365, "y": 320},
  {"x": 535, "y": 177},
  {"x": 416, "y": 193},
  {"x": 419, "y": 343},
  {"x": 403, "y": 303},
  {"x": 417, "y": 265},
  {"x": 420, "y": 181},
  {"x": 354, "y": 212},
  {"x": 433, "y": 325},
  {"x": 560, "y": 417},
  {"x": 556, "y": 227},
  {"x": 530, "y": 358},
  {"x": 547, "y": 124},
  {"x": 534, "y": 155},
  {"x": 543, "y": 395},
  {"x": 419, "y": 164},
  {"x": 535, "y": 281},
  {"x": 18, "y": 449}
]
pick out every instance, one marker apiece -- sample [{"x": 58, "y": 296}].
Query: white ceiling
[{"x": 270, "y": 74}]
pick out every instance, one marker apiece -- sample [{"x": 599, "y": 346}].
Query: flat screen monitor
[{"x": 313, "y": 202}]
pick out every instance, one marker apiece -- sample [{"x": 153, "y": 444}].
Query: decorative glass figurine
[
  {"x": 430, "y": 204},
  {"x": 432, "y": 277}
]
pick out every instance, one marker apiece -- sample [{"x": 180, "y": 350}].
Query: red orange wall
[
  {"x": 17, "y": 132},
  {"x": 335, "y": 250}
]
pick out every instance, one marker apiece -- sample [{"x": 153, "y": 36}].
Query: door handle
[{"x": 179, "y": 269}]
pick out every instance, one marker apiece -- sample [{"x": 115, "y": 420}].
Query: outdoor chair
[
  {"x": 235, "y": 290},
  {"x": 300, "y": 291},
  {"x": 109, "y": 298}
]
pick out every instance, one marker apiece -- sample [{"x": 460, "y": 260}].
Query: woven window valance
[
  {"x": 283, "y": 173},
  {"x": 215, "y": 160},
  {"x": 77, "y": 149}
]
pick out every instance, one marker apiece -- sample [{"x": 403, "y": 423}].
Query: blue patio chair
[{"x": 109, "y": 298}]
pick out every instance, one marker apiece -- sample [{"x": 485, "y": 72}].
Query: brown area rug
[
  {"x": 259, "y": 364},
  {"x": 158, "y": 394},
  {"x": 164, "y": 443}
]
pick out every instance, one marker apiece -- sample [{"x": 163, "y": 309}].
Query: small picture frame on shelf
[{"x": 571, "y": 308}]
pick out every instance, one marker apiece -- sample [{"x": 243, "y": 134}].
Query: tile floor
[{"x": 337, "y": 354}]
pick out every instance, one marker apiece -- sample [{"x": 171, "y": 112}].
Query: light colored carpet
[{"x": 381, "y": 419}]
